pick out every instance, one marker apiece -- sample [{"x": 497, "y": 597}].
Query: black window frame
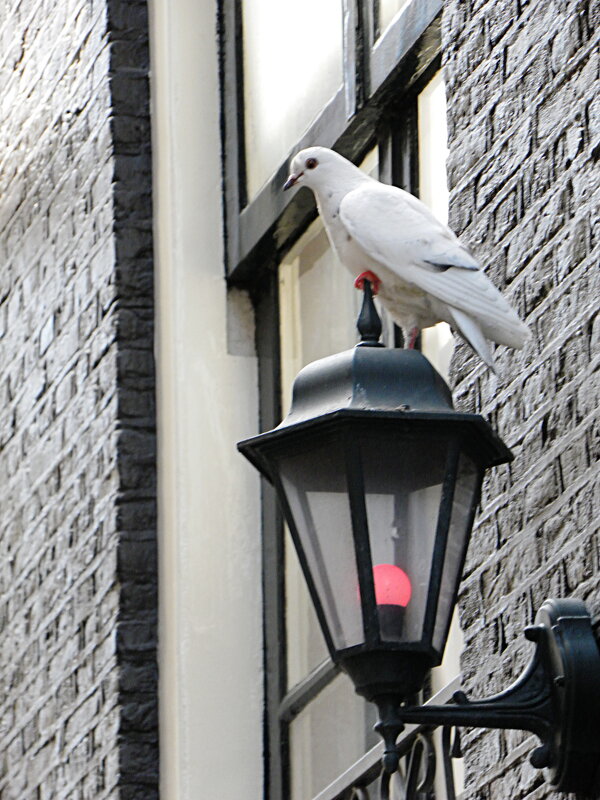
[
  {"x": 376, "y": 106},
  {"x": 378, "y": 76}
]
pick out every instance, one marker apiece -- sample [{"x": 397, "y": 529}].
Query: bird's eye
[{"x": 311, "y": 163}]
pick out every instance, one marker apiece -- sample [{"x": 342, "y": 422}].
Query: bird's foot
[
  {"x": 412, "y": 337},
  {"x": 375, "y": 282}
]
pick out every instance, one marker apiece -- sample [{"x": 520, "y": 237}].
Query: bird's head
[{"x": 316, "y": 167}]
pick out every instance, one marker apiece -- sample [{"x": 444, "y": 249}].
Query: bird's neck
[{"x": 329, "y": 198}]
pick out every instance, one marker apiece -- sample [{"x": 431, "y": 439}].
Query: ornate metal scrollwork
[
  {"x": 359, "y": 793},
  {"x": 415, "y": 777},
  {"x": 418, "y": 776}
]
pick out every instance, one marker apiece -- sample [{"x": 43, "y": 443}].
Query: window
[{"x": 368, "y": 83}]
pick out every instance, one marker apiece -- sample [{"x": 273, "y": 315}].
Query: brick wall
[
  {"x": 524, "y": 126},
  {"x": 77, "y": 465},
  {"x": 135, "y": 445}
]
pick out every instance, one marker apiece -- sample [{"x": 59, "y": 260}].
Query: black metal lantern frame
[
  {"x": 379, "y": 478},
  {"x": 373, "y": 660}
]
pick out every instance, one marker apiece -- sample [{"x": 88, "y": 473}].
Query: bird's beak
[{"x": 292, "y": 180}]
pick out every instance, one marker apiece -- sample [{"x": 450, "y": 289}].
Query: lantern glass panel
[
  {"x": 466, "y": 493},
  {"x": 314, "y": 482},
  {"x": 403, "y": 491}
]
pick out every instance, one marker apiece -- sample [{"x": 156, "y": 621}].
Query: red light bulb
[{"x": 392, "y": 585}]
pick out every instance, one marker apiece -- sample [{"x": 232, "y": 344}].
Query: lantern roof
[
  {"x": 375, "y": 382},
  {"x": 367, "y": 378}
]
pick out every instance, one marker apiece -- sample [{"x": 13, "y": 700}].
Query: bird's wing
[
  {"x": 395, "y": 222},
  {"x": 398, "y": 231},
  {"x": 472, "y": 333}
]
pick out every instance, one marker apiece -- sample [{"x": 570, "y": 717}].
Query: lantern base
[{"x": 399, "y": 674}]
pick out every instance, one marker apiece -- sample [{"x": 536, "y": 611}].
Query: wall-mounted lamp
[{"x": 379, "y": 478}]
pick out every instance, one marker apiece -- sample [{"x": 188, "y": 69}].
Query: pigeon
[{"x": 421, "y": 271}]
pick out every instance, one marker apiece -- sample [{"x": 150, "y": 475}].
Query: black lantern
[{"x": 379, "y": 478}]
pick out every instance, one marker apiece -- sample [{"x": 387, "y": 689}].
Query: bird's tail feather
[{"x": 470, "y": 331}]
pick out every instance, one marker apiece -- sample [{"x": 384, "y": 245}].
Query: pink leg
[
  {"x": 413, "y": 336},
  {"x": 375, "y": 282}
]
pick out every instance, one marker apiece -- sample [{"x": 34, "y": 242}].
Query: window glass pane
[
  {"x": 433, "y": 147},
  {"x": 292, "y": 68},
  {"x": 317, "y": 300},
  {"x": 387, "y": 9},
  {"x": 318, "y": 306},
  {"x": 328, "y": 737},
  {"x": 318, "y": 309},
  {"x": 306, "y": 647},
  {"x": 438, "y": 342}
]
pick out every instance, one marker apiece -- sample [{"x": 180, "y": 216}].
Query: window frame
[
  {"x": 373, "y": 70},
  {"x": 375, "y": 106}
]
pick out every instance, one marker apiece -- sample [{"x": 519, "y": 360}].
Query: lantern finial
[{"x": 368, "y": 322}]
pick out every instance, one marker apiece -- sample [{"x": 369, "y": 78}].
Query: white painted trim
[{"x": 210, "y": 645}]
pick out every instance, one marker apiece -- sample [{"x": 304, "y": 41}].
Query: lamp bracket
[{"x": 557, "y": 697}]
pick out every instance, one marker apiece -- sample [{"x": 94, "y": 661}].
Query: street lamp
[{"x": 379, "y": 478}]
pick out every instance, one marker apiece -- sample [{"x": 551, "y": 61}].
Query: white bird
[{"x": 423, "y": 273}]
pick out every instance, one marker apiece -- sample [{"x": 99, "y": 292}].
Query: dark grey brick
[
  {"x": 524, "y": 181},
  {"x": 76, "y": 325}
]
